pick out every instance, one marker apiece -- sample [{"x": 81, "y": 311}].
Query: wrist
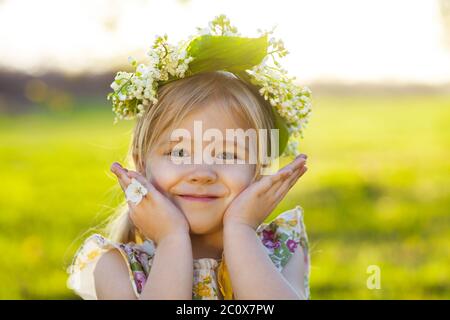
[
  {"x": 232, "y": 223},
  {"x": 232, "y": 226},
  {"x": 175, "y": 236}
]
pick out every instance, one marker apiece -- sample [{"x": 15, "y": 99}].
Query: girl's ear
[
  {"x": 140, "y": 166},
  {"x": 146, "y": 172}
]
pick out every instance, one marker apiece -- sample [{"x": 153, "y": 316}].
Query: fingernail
[{"x": 115, "y": 166}]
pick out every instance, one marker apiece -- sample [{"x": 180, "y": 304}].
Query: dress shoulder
[{"x": 138, "y": 258}]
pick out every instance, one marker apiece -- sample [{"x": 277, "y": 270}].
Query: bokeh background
[{"x": 377, "y": 191}]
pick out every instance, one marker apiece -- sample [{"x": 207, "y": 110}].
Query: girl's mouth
[{"x": 198, "y": 198}]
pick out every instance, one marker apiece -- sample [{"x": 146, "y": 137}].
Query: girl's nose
[{"x": 202, "y": 175}]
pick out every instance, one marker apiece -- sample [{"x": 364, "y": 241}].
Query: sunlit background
[{"x": 376, "y": 192}]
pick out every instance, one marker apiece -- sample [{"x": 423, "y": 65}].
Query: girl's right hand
[{"x": 155, "y": 216}]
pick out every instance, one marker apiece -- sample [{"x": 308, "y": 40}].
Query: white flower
[
  {"x": 135, "y": 191},
  {"x": 132, "y": 61},
  {"x": 115, "y": 86},
  {"x": 122, "y": 97},
  {"x": 306, "y": 90}
]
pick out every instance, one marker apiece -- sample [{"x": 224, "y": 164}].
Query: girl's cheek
[
  {"x": 164, "y": 174},
  {"x": 237, "y": 177}
]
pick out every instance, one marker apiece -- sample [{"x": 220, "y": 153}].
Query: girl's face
[{"x": 222, "y": 181}]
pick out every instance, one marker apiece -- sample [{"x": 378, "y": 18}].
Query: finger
[
  {"x": 152, "y": 191},
  {"x": 142, "y": 180},
  {"x": 268, "y": 181},
  {"x": 281, "y": 186},
  {"x": 297, "y": 174},
  {"x": 298, "y": 162},
  {"x": 289, "y": 183},
  {"x": 286, "y": 176},
  {"x": 121, "y": 174},
  {"x": 136, "y": 175},
  {"x": 292, "y": 168}
]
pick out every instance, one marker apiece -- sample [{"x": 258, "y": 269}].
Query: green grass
[{"x": 376, "y": 193}]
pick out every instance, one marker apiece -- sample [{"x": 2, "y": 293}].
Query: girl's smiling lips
[{"x": 201, "y": 198}]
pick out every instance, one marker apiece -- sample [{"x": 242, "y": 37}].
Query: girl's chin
[
  {"x": 201, "y": 208},
  {"x": 204, "y": 223}
]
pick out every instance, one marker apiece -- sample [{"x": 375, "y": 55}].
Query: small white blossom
[
  {"x": 132, "y": 61},
  {"x": 135, "y": 191},
  {"x": 122, "y": 97}
]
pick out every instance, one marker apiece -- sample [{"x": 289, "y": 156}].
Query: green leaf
[
  {"x": 283, "y": 132},
  {"x": 227, "y": 53},
  {"x": 283, "y": 237}
]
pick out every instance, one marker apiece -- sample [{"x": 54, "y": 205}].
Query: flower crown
[{"x": 218, "y": 47}]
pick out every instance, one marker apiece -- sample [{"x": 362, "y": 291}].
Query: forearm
[
  {"x": 252, "y": 273},
  {"x": 171, "y": 273}
]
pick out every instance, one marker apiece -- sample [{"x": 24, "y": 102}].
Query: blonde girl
[{"x": 174, "y": 243}]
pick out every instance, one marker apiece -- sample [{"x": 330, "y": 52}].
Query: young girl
[{"x": 198, "y": 232}]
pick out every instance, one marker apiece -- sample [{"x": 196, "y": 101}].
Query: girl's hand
[
  {"x": 258, "y": 200},
  {"x": 155, "y": 216}
]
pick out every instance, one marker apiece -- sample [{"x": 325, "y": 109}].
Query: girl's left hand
[{"x": 258, "y": 200}]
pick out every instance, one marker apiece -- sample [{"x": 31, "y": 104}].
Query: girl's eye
[
  {"x": 227, "y": 155},
  {"x": 177, "y": 153}
]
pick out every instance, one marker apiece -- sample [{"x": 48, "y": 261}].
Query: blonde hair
[{"x": 175, "y": 101}]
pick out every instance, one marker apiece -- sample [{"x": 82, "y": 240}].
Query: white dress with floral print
[{"x": 281, "y": 237}]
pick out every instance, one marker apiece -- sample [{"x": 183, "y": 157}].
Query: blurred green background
[
  {"x": 378, "y": 144},
  {"x": 376, "y": 193}
]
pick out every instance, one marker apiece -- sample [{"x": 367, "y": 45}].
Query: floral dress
[{"x": 280, "y": 237}]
